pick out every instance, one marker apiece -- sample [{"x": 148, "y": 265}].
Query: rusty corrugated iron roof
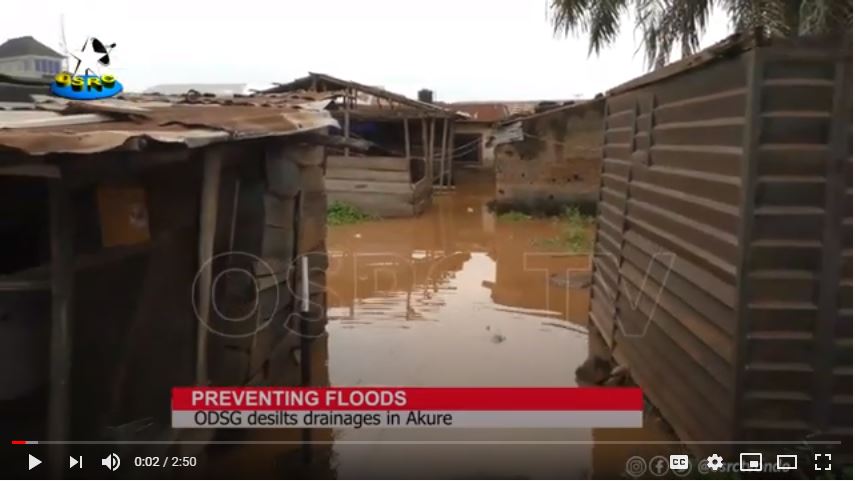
[
  {"x": 482, "y": 111},
  {"x": 314, "y": 80},
  {"x": 132, "y": 122}
]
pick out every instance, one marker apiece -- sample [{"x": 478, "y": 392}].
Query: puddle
[{"x": 457, "y": 298}]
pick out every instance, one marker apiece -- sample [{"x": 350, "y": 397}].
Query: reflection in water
[{"x": 454, "y": 298}]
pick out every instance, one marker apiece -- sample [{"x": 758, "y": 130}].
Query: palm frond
[
  {"x": 665, "y": 24},
  {"x": 605, "y": 23},
  {"x": 825, "y": 16},
  {"x": 570, "y": 16}
]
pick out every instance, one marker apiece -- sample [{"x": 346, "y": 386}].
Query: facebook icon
[{"x": 658, "y": 466}]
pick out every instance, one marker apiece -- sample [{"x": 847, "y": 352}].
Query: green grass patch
[
  {"x": 340, "y": 213},
  {"x": 577, "y": 235},
  {"x": 514, "y": 216}
]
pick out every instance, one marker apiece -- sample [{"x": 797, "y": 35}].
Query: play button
[
  {"x": 33, "y": 461},
  {"x": 72, "y": 462}
]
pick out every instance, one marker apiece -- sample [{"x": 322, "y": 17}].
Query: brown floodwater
[{"x": 456, "y": 297}]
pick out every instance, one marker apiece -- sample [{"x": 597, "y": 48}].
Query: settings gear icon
[{"x": 715, "y": 462}]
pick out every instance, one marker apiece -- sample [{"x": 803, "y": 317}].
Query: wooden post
[
  {"x": 62, "y": 289},
  {"x": 450, "y": 162},
  {"x": 213, "y": 162},
  {"x": 347, "y": 121},
  {"x": 407, "y": 138},
  {"x": 428, "y": 165},
  {"x": 431, "y": 144},
  {"x": 444, "y": 152}
]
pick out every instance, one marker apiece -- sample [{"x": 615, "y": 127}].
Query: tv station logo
[{"x": 87, "y": 81}]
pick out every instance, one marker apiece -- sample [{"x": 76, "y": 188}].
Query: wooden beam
[
  {"x": 32, "y": 170},
  {"x": 347, "y": 121},
  {"x": 428, "y": 166},
  {"x": 450, "y": 164},
  {"x": 444, "y": 152},
  {"x": 431, "y": 144},
  {"x": 213, "y": 162},
  {"x": 407, "y": 139},
  {"x": 62, "y": 289}
]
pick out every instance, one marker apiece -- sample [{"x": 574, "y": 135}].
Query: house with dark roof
[
  {"x": 29, "y": 58},
  {"x": 472, "y": 140}
]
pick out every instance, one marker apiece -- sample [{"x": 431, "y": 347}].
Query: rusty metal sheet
[{"x": 132, "y": 122}]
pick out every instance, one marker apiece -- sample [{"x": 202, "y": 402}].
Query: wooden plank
[
  {"x": 62, "y": 291},
  {"x": 422, "y": 188},
  {"x": 443, "y": 154},
  {"x": 380, "y": 205},
  {"x": 312, "y": 179},
  {"x": 371, "y": 163},
  {"x": 32, "y": 170},
  {"x": 340, "y": 185},
  {"x": 347, "y": 120},
  {"x": 424, "y": 138},
  {"x": 207, "y": 229},
  {"x": 369, "y": 175},
  {"x": 449, "y": 167},
  {"x": 283, "y": 174},
  {"x": 407, "y": 152}
]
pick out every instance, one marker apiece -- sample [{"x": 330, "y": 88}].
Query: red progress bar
[{"x": 19, "y": 442}]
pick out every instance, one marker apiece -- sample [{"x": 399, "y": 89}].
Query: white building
[{"x": 29, "y": 58}]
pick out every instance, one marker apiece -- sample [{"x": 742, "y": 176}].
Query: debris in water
[
  {"x": 572, "y": 279},
  {"x": 498, "y": 338},
  {"x": 470, "y": 210},
  {"x": 619, "y": 376},
  {"x": 357, "y": 235},
  {"x": 595, "y": 370},
  {"x": 568, "y": 326}
]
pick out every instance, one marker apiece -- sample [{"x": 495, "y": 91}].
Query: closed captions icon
[{"x": 678, "y": 462}]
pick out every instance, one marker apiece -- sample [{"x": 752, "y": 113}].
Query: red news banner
[{"x": 406, "y": 407}]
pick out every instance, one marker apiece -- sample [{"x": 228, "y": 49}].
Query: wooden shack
[
  {"x": 155, "y": 242},
  {"x": 407, "y": 146},
  {"x": 724, "y": 242}
]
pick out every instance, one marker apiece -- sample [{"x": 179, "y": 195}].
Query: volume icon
[{"x": 111, "y": 462}]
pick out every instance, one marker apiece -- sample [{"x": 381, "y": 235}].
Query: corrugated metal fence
[{"x": 724, "y": 241}]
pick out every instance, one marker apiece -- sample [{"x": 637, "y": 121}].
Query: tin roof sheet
[{"x": 132, "y": 122}]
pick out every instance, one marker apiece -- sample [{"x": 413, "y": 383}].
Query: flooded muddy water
[{"x": 456, "y": 297}]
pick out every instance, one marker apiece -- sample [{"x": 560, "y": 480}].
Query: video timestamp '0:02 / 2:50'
[{"x": 165, "y": 461}]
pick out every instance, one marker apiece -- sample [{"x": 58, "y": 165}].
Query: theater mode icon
[{"x": 786, "y": 462}]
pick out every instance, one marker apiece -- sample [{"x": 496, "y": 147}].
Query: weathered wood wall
[
  {"x": 379, "y": 186},
  {"x": 134, "y": 327}
]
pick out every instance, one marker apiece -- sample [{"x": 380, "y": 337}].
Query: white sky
[{"x": 461, "y": 49}]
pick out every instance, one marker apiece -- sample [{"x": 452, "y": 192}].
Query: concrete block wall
[{"x": 556, "y": 163}]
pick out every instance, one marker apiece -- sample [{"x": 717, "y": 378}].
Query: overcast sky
[{"x": 462, "y": 49}]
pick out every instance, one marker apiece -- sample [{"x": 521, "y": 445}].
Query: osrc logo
[{"x": 91, "y": 84}]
